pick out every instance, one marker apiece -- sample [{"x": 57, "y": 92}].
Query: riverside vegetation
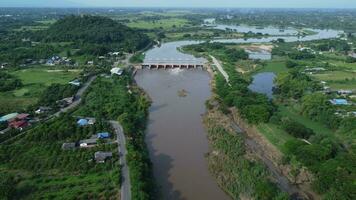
[{"x": 329, "y": 156}]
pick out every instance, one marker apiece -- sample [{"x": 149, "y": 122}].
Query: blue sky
[{"x": 184, "y": 3}]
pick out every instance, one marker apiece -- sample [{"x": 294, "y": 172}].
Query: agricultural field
[
  {"x": 161, "y": 23},
  {"x": 35, "y": 80}
]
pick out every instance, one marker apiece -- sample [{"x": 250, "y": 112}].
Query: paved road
[
  {"x": 125, "y": 184},
  {"x": 220, "y": 68},
  {"x": 77, "y": 97}
]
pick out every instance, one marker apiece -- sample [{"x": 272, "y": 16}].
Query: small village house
[
  {"x": 339, "y": 102},
  {"x": 103, "y": 135},
  {"x": 68, "y": 146},
  {"x": 42, "y": 109},
  {"x": 75, "y": 82},
  {"x": 88, "y": 142},
  {"x": 117, "y": 71},
  {"x": 82, "y": 122},
  {"x": 101, "y": 157}
]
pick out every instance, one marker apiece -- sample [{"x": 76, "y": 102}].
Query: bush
[{"x": 297, "y": 129}]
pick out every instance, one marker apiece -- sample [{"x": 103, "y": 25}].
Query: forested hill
[{"x": 95, "y": 30}]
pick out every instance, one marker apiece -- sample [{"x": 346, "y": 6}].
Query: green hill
[{"x": 95, "y": 30}]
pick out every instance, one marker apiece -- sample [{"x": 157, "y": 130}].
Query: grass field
[
  {"x": 35, "y": 80},
  {"x": 164, "y": 23},
  {"x": 276, "y": 66},
  {"x": 274, "y": 135}
]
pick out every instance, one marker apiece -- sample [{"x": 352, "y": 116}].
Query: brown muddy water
[{"x": 175, "y": 136}]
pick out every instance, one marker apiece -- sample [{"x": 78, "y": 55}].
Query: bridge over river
[{"x": 172, "y": 63}]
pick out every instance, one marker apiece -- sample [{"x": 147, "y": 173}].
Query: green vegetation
[
  {"x": 43, "y": 170},
  {"x": 131, "y": 109},
  {"x": 166, "y": 23},
  {"x": 238, "y": 176},
  {"x": 276, "y": 66},
  {"x": 85, "y": 30},
  {"x": 254, "y": 107},
  {"x": 137, "y": 58},
  {"x": 293, "y": 84},
  {"x": 8, "y": 82},
  {"x": 34, "y": 83}
]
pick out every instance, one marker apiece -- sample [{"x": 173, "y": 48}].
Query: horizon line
[{"x": 180, "y": 7}]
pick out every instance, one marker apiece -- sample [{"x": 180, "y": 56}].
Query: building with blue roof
[
  {"x": 103, "y": 135},
  {"x": 82, "y": 122},
  {"x": 8, "y": 117},
  {"x": 339, "y": 102}
]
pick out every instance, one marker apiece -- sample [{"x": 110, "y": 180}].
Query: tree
[{"x": 7, "y": 186}]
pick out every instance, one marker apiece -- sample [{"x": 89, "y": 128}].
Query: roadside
[
  {"x": 220, "y": 68},
  {"x": 125, "y": 178},
  {"x": 77, "y": 97}
]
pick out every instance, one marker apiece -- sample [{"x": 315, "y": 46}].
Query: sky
[{"x": 183, "y": 3}]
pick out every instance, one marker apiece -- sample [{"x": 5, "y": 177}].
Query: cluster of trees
[
  {"x": 254, "y": 107},
  {"x": 326, "y": 156},
  {"x": 8, "y": 82},
  {"x": 337, "y": 45},
  {"x": 56, "y": 92},
  {"x": 94, "y": 30},
  {"x": 330, "y": 162},
  {"x": 38, "y": 153},
  {"x": 15, "y": 51},
  {"x": 301, "y": 55},
  {"x": 294, "y": 84},
  {"x": 131, "y": 109}
]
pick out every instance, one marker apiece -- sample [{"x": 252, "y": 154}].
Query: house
[
  {"x": 116, "y": 53},
  {"x": 91, "y": 121},
  {"x": 19, "y": 124},
  {"x": 75, "y": 82},
  {"x": 103, "y": 135},
  {"x": 42, "y": 109},
  {"x": 8, "y": 117},
  {"x": 90, "y": 62},
  {"x": 82, "y": 122},
  {"x": 88, "y": 142},
  {"x": 66, "y": 101},
  {"x": 315, "y": 69},
  {"x": 116, "y": 70},
  {"x": 101, "y": 157},
  {"x": 23, "y": 116},
  {"x": 344, "y": 92},
  {"x": 339, "y": 102},
  {"x": 101, "y": 57},
  {"x": 68, "y": 146}
]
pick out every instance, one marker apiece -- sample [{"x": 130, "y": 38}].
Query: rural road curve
[
  {"x": 125, "y": 184},
  {"x": 77, "y": 97}
]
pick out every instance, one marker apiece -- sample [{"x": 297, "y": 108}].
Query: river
[{"x": 175, "y": 136}]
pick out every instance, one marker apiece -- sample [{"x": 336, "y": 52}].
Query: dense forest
[{"x": 94, "y": 30}]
